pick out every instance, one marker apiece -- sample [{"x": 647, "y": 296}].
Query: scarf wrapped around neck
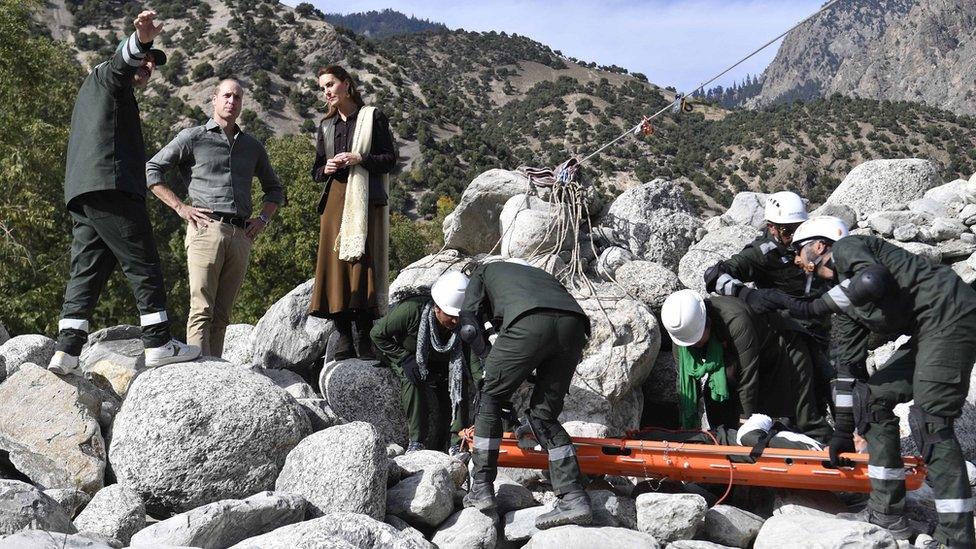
[
  {"x": 694, "y": 364},
  {"x": 427, "y": 339}
]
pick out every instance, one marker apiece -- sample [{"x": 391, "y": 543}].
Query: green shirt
[
  {"x": 502, "y": 292},
  {"x": 395, "y": 335},
  {"x": 929, "y": 296},
  {"x": 219, "y": 173},
  {"x": 105, "y": 146}
]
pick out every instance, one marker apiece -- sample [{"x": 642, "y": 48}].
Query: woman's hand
[
  {"x": 331, "y": 166},
  {"x": 348, "y": 158}
]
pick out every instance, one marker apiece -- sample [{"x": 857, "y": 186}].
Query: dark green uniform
[
  {"x": 105, "y": 191},
  {"x": 769, "y": 264},
  {"x": 769, "y": 367},
  {"x": 933, "y": 305},
  {"x": 429, "y": 404},
  {"x": 541, "y": 328}
]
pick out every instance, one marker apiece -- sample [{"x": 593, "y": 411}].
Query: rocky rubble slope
[{"x": 246, "y": 453}]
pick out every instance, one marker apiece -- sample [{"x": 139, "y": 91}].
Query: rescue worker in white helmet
[
  {"x": 883, "y": 288},
  {"x": 418, "y": 340},
  {"x": 739, "y": 363}
]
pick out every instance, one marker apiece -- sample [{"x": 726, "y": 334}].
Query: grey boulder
[
  {"x": 808, "y": 531},
  {"x": 611, "y": 259},
  {"x": 512, "y": 496},
  {"x": 648, "y": 282},
  {"x": 22, "y": 349},
  {"x": 670, "y": 517},
  {"x": 473, "y": 227},
  {"x": 192, "y": 434},
  {"x": 405, "y": 465},
  {"x": 340, "y": 469},
  {"x": 23, "y": 507},
  {"x": 525, "y": 228},
  {"x": 226, "y": 522},
  {"x": 72, "y": 500},
  {"x": 747, "y": 208},
  {"x": 716, "y": 246},
  {"x": 579, "y": 537},
  {"x": 116, "y": 512},
  {"x": 42, "y": 539},
  {"x": 237, "y": 344},
  {"x": 609, "y": 509},
  {"x": 654, "y": 221},
  {"x": 291, "y": 382},
  {"x": 419, "y": 276},
  {"x": 731, "y": 526},
  {"x": 876, "y": 185},
  {"x": 466, "y": 529},
  {"x": 113, "y": 361},
  {"x": 355, "y": 390},
  {"x": 423, "y": 499},
  {"x": 519, "y": 526},
  {"x": 51, "y": 431},
  {"x": 286, "y": 337},
  {"x": 341, "y": 529},
  {"x": 807, "y": 502}
]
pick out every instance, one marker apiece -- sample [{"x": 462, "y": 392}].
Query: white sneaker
[
  {"x": 173, "y": 351},
  {"x": 64, "y": 364}
]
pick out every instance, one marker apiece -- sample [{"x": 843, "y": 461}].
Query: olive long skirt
[{"x": 342, "y": 286}]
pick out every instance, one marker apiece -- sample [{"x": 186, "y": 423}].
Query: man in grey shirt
[{"x": 220, "y": 162}]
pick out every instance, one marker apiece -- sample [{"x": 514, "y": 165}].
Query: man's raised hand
[{"x": 146, "y": 28}]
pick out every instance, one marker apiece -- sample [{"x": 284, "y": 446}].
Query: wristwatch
[{"x": 265, "y": 218}]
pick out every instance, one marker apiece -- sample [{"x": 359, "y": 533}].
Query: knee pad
[
  {"x": 928, "y": 430},
  {"x": 868, "y": 409}
]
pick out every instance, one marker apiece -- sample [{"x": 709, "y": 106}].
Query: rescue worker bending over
[
  {"x": 418, "y": 340},
  {"x": 883, "y": 288},
  {"x": 740, "y": 363},
  {"x": 768, "y": 262},
  {"x": 541, "y": 328}
]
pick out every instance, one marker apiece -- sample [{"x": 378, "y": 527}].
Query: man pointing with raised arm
[{"x": 105, "y": 192}]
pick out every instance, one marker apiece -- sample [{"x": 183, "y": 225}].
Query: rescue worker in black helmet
[
  {"x": 541, "y": 328},
  {"x": 883, "y": 288}
]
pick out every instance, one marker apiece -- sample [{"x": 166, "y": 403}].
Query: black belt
[{"x": 227, "y": 218}]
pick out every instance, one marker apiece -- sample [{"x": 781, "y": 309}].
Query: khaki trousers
[{"x": 216, "y": 258}]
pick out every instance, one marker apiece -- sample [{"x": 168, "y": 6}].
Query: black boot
[
  {"x": 898, "y": 525},
  {"x": 571, "y": 508},
  {"x": 364, "y": 343},
  {"x": 481, "y": 496},
  {"x": 344, "y": 349}
]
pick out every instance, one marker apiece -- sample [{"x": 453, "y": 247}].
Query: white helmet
[
  {"x": 517, "y": 261},
  {"x": 826, "y": 227},
  {"x": 448, "y": 292},
  {"x": 785, "y": 207},
  {"x": 683, "y": 316}
]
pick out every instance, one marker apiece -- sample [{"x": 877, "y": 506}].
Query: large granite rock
[
  {"x": 466, "y": 529},
  {"x": 334, "y": 530},
  {"x": 286, "y": 337},
  {"x": 357, "y": 391},
  {"x": 611, "y": 259},
  {"x": 609, "y": 509},
  {"x": 405, "y": 465},
  {"x": 72, "y": 500},
  {"x": 292, "y": 383},
  {"x": 731, "y": 526},
  {"x": 876, "y": 185},
  {"x": 113, "y": 361},
  {"x": 419, "y": 276},
  {"x": 747, "y": 208},
  {"x": 579, "y": 537},
  {"x": 192, "y": 434},
  {"x": 116, "y": 512},
  {"x": 473, "y": 227},
  {"x": 654, "y": 221},
  {"x": 716, "y": 246},
  {"x": 512, "y": 496},
  {"x": 22, "y": 349},
  {"x": 518, "y": 526},
  {"x": 807, "y": 502},
  {"x": 23, "y": 507},
  {"x": 812, "y": 531},
  {"x": 525, "y": 228},
  {"x": 661, "y": 387},
  {"x": 226, "y": 522},
  {"x": 42, "y": 539},
  {"x": 237, "y": 344},
  {"x": 340, "y": 469},
  {"x": 648, "y": 282},
  {"x": 51, "y": 431},
  {"x": 670, "y": 517},
  {"x": 423, "y": 499}
]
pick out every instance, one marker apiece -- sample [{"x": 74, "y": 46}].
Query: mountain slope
[
  {"x": 905, "y": 50},
  {"x": 382, "y": 24}
]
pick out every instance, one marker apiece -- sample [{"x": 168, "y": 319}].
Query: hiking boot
[
  {"x": 925, "y": 541},
  {"x": 361, "y": 340},
  {"x": 414, "y": 447},
  {"x": 896, "y": 524},
  {"x": 344, "y": 349},
  {"x": 481, "y": 496},
  {"x": 172, "y": 351},
  {"x": 571, "y": 508},
  {"x": 64, "y": 364}
]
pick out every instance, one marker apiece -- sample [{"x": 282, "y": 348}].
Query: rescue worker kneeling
[
  {"x": 883, "y": 288},
  {"x": 418, "y": 339},
  {"x": 740, "y": 363},
  {"x": 541, "y": 328}
]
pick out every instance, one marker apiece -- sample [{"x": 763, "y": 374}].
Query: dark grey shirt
[{"x": 219, "y": 173}]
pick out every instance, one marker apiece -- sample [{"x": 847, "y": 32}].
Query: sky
[{"x": 677, "y": 43}]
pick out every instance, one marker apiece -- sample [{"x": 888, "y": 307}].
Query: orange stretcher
[{"x": 707, "y": 463}]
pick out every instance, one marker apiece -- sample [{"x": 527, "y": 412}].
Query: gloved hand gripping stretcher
[{"x": 683, "y": 457}]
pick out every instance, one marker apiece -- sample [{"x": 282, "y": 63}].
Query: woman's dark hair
[{"x": 342, "y": 75}]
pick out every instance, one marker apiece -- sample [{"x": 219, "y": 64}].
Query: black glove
[
  {"x": 410, "y": 369},
  {"x": 764, "y": 300},
  {"x": 711, "y": 277},
  {"x": 840, "y": 443}
]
